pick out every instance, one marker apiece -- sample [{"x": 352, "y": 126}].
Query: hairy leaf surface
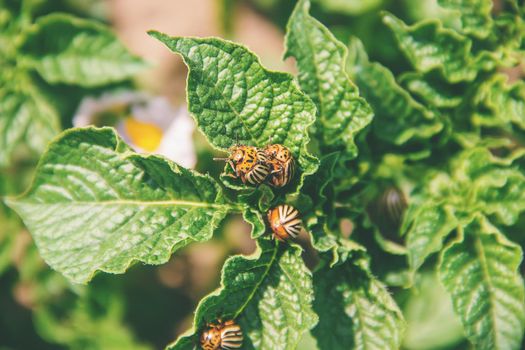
[
  {"x": 269, "y": 295},
  {"x": 321, "y": 60},
  {"x": 66, "y": 49},
  {"x": 480, "y": 271},
  {"x": 96, "y": 205}
]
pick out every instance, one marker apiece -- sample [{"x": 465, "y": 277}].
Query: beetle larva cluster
[
  {"x": 273, "y": 164},
  {"x": 221, "y": 336}
]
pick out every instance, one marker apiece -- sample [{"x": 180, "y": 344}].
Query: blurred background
[{"x": 147, "y": 307}]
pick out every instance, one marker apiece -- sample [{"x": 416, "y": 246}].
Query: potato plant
[{"x": 425, "y": 164}]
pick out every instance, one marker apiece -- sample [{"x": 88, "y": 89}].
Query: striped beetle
[
  {"x": 248, "y": 163},
  {"x": 282, "y": 164},
  {"x": 285, "y": 222},
  {"x": 222, "y": 336}
]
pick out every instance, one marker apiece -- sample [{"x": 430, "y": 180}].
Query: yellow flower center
[{"x": 145, "y": 135}]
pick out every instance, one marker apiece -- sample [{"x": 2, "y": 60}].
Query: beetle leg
[
  {"x": 279, "y": 170},
  {"x": 231, "y": 165}
]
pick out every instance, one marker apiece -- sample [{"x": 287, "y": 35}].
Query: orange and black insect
[
  {"x": 222, "y": 336},
  {"x": 248, "y": 163},
  {"x": 282, "y": 164},
  {"x": 285, "y": 222}
]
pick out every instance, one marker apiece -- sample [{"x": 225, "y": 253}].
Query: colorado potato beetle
[
  {"x": 285, "y": 222},
  {"x": 222, "y": 336},
  {"x": 387, "y": 210},
  {"x": 282, "y": 164},
  {"x": 248, "y": 163}
]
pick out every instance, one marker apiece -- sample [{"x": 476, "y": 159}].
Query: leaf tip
[
  {"x": 389, "y": 19},
  {"x": 154, "y": 33}
]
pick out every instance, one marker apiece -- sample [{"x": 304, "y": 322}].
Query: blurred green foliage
[{"x": 423, "y": 115}]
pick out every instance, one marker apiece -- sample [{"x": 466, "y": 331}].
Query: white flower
[{"x": 148, "y": 124}]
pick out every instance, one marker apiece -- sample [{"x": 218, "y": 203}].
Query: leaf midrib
[
  {"x": 484, "y": 268},
  {"x": 261, "y": 280},
  {"x": 227, "y": 100},
  {"x": 168, "y": 203}
]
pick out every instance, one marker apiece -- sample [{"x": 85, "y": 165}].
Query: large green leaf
[
  {"x": 96, "y": 205},
  {"x": 475, "y": 15},
  {"x": 398, "y": 117},
  {"x": 269, "y": 295},
  {"x": 235, "y": 99},
  {"x": 321, "y": 60},
  {"x": 480, "y": 271},
  {"x": 429, "y": 46},
  {"x": 66, "y": 49},
  {"x": 355, "y": 310},
  {"x": 25, "y": 116}
]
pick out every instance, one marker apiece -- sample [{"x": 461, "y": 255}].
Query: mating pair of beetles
[
  {"x": 276, "y": 164},
  {"x": 273, "y": 163}
]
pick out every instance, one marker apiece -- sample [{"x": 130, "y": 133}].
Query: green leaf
[
  {"x": 398, "y": 117},
  {"x": 96, "y": 205},
  {"x": 268, "y": 294},
  {"x": 26, "y": 118},
  {"x": 432, "y": 91},
  {"x": 317, "y": 220},
  {"x": 355, "y": 310},
  {"x": 499, "y": 103},
  {"x": 480, "y": 271},
  {"x": 475, "y": 15},
  {"x": 489, "y": 184},
  {"x": 321, "y": 60},
  {"x": 234, "y": 99},
  {"x": 429, "y": 46},
  {"x": 66, "y": 49},
  {"x": 257, "y": 203},
  {"x": 429, "y": 224},
  {"x": 503, "y": 196}
]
